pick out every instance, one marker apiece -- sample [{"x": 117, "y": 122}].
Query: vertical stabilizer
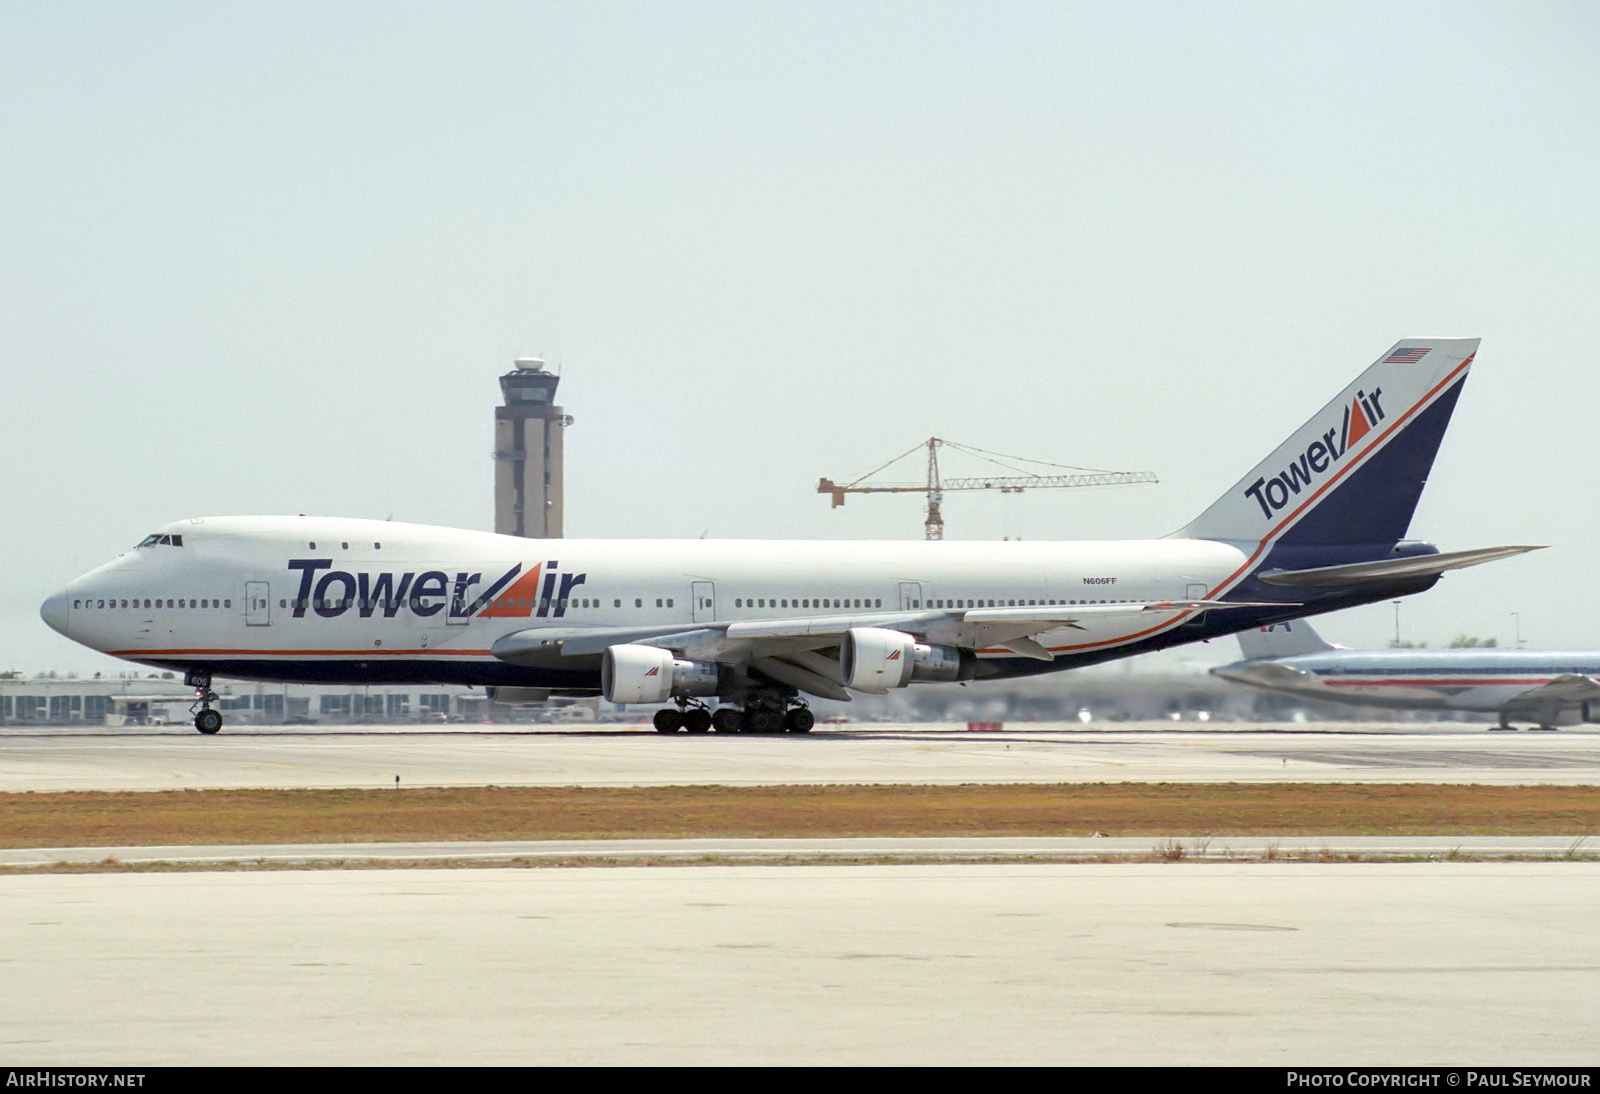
[
  {"x": 1281, "y": 640},
  {"x": 1353, "y": 473}
]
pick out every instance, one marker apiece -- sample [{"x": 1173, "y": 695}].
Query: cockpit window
[{"x": 154, "y": 540}]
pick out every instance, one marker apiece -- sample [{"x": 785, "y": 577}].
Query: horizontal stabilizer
[
  {"x": 1069, "y": 614},
  {"x": 1389, "y": 569},
  {"x": 1266, "y": 674}
]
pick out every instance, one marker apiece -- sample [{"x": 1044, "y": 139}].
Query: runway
[
  {"x": 634, "y": 756},
  {"x": 1274, "y": 964},
  {"x": 1225, "y": 952}
]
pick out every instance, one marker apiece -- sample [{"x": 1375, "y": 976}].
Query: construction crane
[{"x": 1061, "y": 475}]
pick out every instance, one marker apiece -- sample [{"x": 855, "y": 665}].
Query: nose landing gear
[{"x": 206, "y": 720}]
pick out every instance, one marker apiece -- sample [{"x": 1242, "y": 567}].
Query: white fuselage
[
  {"x": 1482, "y": 680},
  {"x": 361, "y": 600}
]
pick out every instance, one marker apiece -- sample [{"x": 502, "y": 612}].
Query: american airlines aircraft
[
  {"x": 1319, "y": 525},
  {"x": 1545, "y": 687}
]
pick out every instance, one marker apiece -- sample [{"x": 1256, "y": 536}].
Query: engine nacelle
[
  {"x": 516, "y": 696},
  {"x": 876, "y": 660},
  {"x": 646, "y": 674}
]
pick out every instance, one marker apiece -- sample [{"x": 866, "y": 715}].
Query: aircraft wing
[
  {"x": 785, "y": 649},
  {"x": 1567, "y": 689}
]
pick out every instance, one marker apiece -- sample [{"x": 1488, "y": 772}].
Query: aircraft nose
[{"x": 54, "y": 611}]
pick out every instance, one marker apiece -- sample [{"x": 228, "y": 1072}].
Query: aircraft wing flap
[
  {"x": 970, "y": 627},
  {"x": 820, "y": 678},
  {"x": 539, "y": 644},
  {"x": 834, "y": 624}
]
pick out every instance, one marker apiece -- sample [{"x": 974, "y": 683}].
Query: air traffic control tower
[{"x": 528, "y": 432}]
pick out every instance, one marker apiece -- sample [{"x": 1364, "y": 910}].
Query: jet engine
[
  {"x": 875, "y": 660},
  {"x": 647, "y": 674}
]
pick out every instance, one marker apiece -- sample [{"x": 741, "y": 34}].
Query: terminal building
[
  {"x": 156, "y": 700},
  {"x": 528, "y": 453}
]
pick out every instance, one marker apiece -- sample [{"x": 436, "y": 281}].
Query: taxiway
[{"x": 916, "y": 754}]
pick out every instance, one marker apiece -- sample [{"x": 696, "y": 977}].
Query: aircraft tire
[
  {"x": 668, "y": 720},
  {"x": 697, "y": 720},
  {"x": 799, "y": 720},
  {"x": 763, "y": 721},
  {"x": 726, "y": 720},
  {"x": 208, "y": 722}
]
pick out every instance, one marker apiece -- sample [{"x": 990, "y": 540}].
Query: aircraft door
[
  {"x": 703, "y": 596},
  {"x": 460, "y": 599},
  {"x": 1194, "y": 592},
  {"x": 910, "y": 595},
  {"x": 257, "y": 604}
]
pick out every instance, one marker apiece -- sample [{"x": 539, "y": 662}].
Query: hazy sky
[{"x": 271, "y": 257}]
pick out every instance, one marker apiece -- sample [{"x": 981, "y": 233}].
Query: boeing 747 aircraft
[
  {"x": 1545, "y": 687},
  {"x": 754, "y": 625}
]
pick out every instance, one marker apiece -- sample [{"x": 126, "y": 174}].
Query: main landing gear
[
  {"x": 206, "y": 720},
  {"x": 764, "y": 712},
  {"x": 1546, "y": 724},
  {"x": 696, "y": 718}
]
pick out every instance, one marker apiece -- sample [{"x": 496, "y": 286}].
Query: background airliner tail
[
  {"x": 1353, "y": 473},
  {"x": 1281, "y": 640}
]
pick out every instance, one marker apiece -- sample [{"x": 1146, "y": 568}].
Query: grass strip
[{"x": 93, "y": 819}]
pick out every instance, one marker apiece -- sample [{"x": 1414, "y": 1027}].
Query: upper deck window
[{"x": 154, "y": 540}]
